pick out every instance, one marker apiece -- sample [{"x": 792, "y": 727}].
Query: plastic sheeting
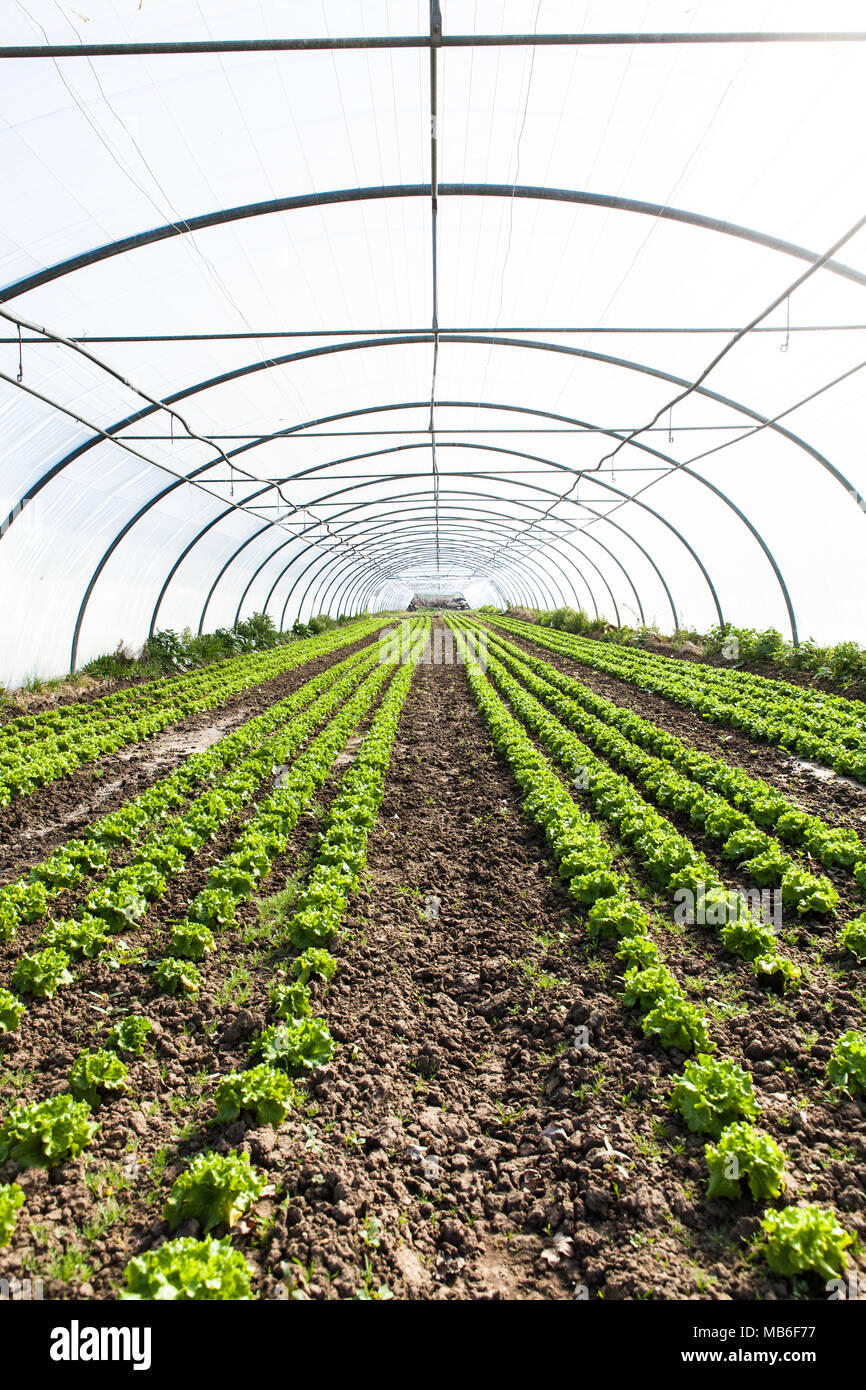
[{"x": 608, "y": 217}]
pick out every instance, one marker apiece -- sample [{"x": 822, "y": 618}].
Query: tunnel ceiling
[{"x": 308, "y": 309}]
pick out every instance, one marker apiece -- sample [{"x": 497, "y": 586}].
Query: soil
[{"x": 493, "y": 1125}]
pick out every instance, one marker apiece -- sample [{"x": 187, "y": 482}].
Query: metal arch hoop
[
  {"x": 399, "y": 497},
  {"x": 335, "y": 197},
  {"x": 484, "y": 497},
  {"x": 411, "y": 497},
  {"x": 324, "y": 579},
  {"x": 421, "y": 552},
  {"x": 534, "y": 487},
  {"x": 466, "y": 339},
  {"x": 522, "y": 571}
]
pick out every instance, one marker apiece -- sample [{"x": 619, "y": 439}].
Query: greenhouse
[
  {"x": 487, "y": 273},
  {"x": 571, "y": 300}
]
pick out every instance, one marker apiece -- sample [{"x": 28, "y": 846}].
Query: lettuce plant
[
  {"x": 646, "y": 988},
  {"x": 95, "y": 1075},
  {"x": 176, "y": 976},
  {"x": 779, "y": 969},
  {"x": 712, "y": 1093},
  {"x": 853, "y": 936},
  {"x": 269, "y": 1094},
  {"x": 11, "y": 1011},
  {"x": 744, "y": 1152},
  {"x": 846, "y": 1069},
  {"x": 676, "y": 1022},
  {"x": 616, "y": 917},
  {"x": 290, "y": 1001},
  {"x": 192, "y": 940},
  {"x": 85, "y": 938},
  {"x": 799, "y": 1239},
  {"x": 748, "y": 938},
  {"x": 46, "y": 1132},
  {"x": 314, "y": 961},
  {"x": 11, "y": 1202},
  {"x": 638, "y": 951},
  {"x": 121, "y": 907},
  {"x": 188, "y": 1270},
  {"x": 298, "y": 1046},
  {"x": 215, "y": 907},
  {"x": 130, "y": 1035},
  {"x": 42, "y": 973},
  {"x": 28, "y": 901},
  {"x": 215, "y": 1189}
]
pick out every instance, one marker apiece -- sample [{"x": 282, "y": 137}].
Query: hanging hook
[
  {"x": 671, "y": 425},
  {"x": 231, "y": 481},
  {"x": 20, "y": 356},
  {"x": 784, "y": 346}
]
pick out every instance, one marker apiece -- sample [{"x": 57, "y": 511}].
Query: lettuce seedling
[
  {"x": 265, "y": 1092},
  {"x": 853, "y": 936},
  {"x": 676, "y": 1022},
  {"x": 646, "y": 988},
  {"x": 11, "y": 1011},
  {"x": 85, "y": 938},
  {"x": 188, "y": 1271},
  {"x": 846, "y": 1069},
  {"x": 299, "y": 1046},
  {"x": 11, "y": 1202},
  {"x": 799, "y": 1239},
  {"x": 120, "y": 907},
  {"x": 314, "y": 961},
  {"x": 42, "y": 974},
  {"x": 616, "y": 917},
  {"x": 177, "y": 976},
  {"x": 215, "y": 907},
  {"x": 290, "y": 1001},
  {"x": 130, "y": 1035},
  {"x": 744, "y": 1152},
  {"x": 712, "y": 1093},
  {"x": 46, "y": 1132},
  {"x": 215, "y": 1189},
  {"x": 192, "y": 940},
  {"x": 638, "y": 951},
  {"x": 95, "y": 1075},
  {"x": 29, "y": 901},
  {"x": 778, "y": 970}
]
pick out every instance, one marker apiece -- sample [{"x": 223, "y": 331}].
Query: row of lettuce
[
  {"x": 726, "y": 805},
  {"x": 217, "y": 1189},
  {"x": 35, "y": 750},
  {"x": 827, "y": 728},
  {"x": 713, "y": 1095}
]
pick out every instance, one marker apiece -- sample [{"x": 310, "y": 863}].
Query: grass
[{"x": 274, "y": 911}]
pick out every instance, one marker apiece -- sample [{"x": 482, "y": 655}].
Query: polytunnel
[{"x": 307, "y": 307}]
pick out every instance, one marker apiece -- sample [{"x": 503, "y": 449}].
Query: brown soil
[{"x": 464, "y": 1143}]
